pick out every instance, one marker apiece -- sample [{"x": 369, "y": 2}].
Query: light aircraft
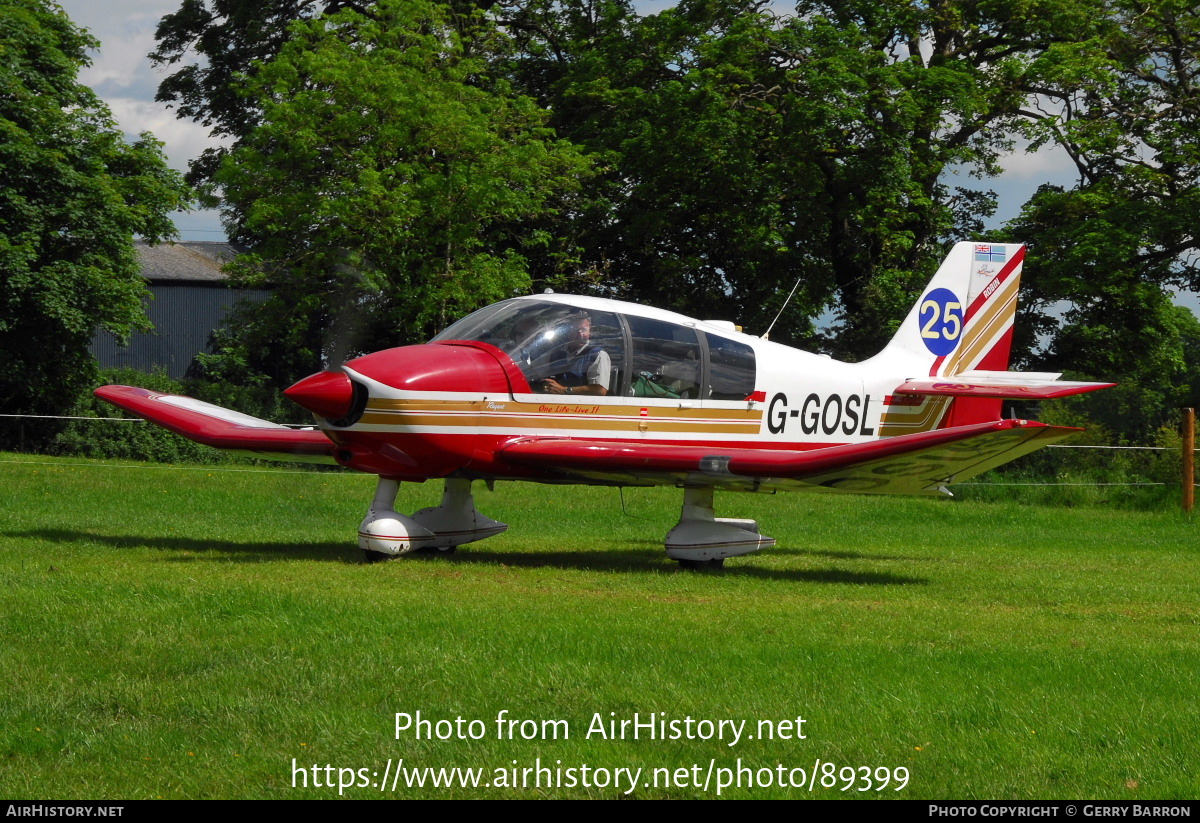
[{"x": 560, "y": 389}]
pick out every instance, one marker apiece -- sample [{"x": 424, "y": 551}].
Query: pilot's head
[{"x": 579, "y": 331}]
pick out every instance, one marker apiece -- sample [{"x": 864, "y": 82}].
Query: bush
[
  {"x": 1140, "y": 477},
  {"x": 121, "y": 440}
]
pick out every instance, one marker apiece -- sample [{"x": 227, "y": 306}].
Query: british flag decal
[{"x": 990, "y": 254}]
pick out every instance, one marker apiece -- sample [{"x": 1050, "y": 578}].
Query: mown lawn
[{"x": 195, "y": 632}]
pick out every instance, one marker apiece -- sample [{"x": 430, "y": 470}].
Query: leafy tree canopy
[
  {"x": 211, "y": 45},
  {"x": 1105, "y": 254},
  {"x": 739, "y": 150},
  {"x": 745, "y": 150},
  {"x": 73, "y": 194},
  {"x": 389, "y": 187}
]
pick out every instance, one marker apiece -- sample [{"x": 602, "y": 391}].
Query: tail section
[
  {"x": 964, "y": 319},
  {"x": 951, "y": 353}
]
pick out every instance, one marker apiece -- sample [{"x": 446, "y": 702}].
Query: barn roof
[{"x": 189, "y": 261}]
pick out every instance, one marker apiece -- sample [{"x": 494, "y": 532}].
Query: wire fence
[
  {"x": 122, "y": 419},
  {"x": 110, "y": 465}
]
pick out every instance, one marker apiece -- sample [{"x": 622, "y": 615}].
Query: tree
[
  {"x": 1106, "y": 254},
  {"x": 701, "y": 207},
  {"x": 215, "y": 43},
  {"x": 73, "y": 194},
  {"x": 744, "y": 150},
  {"x": 210, "y": 44},
  {"x": 389, "y": 188}
]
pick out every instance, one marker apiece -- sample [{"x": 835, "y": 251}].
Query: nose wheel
[{"x": 385, "y": 533}]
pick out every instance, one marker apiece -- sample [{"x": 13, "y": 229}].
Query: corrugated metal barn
[{"x": 190, "y": 299}]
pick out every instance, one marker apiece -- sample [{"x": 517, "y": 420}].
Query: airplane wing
[
  {"x": 220, "y": 427},
  {"x": 920, "y": 463},
  {"x": 1004, "y": 384}
]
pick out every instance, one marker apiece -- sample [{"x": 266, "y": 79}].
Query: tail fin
[
  {"x": 964, "y": 319},
  {"x": 964, "y": 322},
  {"x": 956, "y": 341}
]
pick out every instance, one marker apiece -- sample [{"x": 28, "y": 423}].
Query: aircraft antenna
[
  {"x": 767, "y": 333},
  {"x": 625, "y": 511}
]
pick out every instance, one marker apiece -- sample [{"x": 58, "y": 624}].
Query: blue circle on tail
[{"x": 940, "y": 321}]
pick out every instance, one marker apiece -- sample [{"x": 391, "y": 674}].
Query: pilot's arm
[
  {"x": 552, "y": 386},
  {"x": 598, "y": 376}
]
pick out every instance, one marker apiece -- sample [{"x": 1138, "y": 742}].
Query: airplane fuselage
[{"x": 451, "y": 406}]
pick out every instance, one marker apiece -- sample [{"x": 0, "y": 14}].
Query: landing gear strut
[
  {"x": 384, "y": 532},
  {"x": 701, "y": 540}
]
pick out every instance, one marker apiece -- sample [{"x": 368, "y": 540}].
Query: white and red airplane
[{"x": 560, "y": 389}]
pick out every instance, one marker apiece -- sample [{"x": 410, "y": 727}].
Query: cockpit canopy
[{"x": 628, "y": 355}]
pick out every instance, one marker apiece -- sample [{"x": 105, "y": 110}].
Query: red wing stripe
[
  {"x": 569, "y": 455},
  {"x": 1016, "y": 390}
]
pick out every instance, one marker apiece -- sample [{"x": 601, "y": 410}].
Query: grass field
[{"x": 193, "y": 632}]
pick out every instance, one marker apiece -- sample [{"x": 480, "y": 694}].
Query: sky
[{"x": 125, "y": 79}]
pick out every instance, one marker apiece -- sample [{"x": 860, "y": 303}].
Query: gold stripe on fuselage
[
  {"x": 557, "y": 408},
  {"x": 559, "y": 416},
  {"x": 492, "y": 421},
  {"x": 924, "y": 418}
]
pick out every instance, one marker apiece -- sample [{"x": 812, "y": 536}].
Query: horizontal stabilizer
[
  {"x": 1000, "y": 384},
  {"x": 916, "y": 463},
  {"x": 220, "y": 427}
]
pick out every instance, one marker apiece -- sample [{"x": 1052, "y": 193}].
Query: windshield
[
  {"x": 523, "y": 329},
  {"x": 544, "y": 340}
]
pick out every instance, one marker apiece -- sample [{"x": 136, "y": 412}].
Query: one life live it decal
[{"x": 941, "y": 321}]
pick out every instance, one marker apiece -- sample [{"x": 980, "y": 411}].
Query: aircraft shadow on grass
[
  {"x": 651, "y": 559},
  {"x": 848, "y": 555},
  {"x": 640, "y": 557},
  {"x": 239, "y": 551}
]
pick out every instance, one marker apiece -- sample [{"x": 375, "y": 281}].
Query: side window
[
  {"x": 666, "y": 359},
  {"x": 730, "y": 369}
]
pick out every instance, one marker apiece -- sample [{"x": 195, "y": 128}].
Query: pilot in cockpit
[{"x": 578, "y": 366}]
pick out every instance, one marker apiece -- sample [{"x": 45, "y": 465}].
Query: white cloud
[
  {"x": 122, "y": 61},
  {"x": 1049, "y": 164},
  {"x": 125, "y": 79},
  {"x": 121, "y": 72},
  {"x": 183, "y": 140}
]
